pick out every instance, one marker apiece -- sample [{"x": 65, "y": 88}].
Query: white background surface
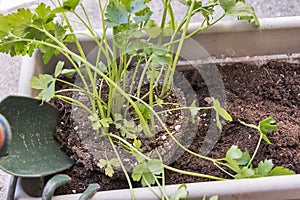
[{"x": 9, "y": 4}]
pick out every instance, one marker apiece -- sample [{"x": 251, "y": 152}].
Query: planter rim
[
  {"x": 274, "y": 23},
  {"x": 229, "y": 26},
  {"x": 275, "y": 187}
]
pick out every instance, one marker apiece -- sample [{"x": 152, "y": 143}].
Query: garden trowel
[{"x": 28, "y": 148}]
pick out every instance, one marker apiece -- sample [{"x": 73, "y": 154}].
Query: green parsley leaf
[
  {"x": 58, "y": 68},
  {"x": 41, "y": 82},
  {"x": 155, "y": 166},
  {"x": 102, "y": 163},
  {"x": 245, "y": 172},
  {"x": 180, "y": 193},
  {"x": 279, "y": 170},
  {"x": 234, "y": 153},
  {"x": 227, "y": 4},
  {"x": 264, "y": 167},
  {"x": 43, "y": 14},
  {"x": 71, "y": 4},
  {"x": 114, "y": 17},
  {"x": 137, "y": 5},
  {"x": 69, "y": 73},
  {"x": 267, "y": 125},
  {"x": 138, "y": 171}
]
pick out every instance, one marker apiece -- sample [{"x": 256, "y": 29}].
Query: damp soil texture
[{"x": 253, "y": 93}]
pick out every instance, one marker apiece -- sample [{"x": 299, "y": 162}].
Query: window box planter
[{"x": 227, "y": 42}]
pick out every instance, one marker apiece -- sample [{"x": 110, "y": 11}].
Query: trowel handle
[{"x": 5, "y": 136}]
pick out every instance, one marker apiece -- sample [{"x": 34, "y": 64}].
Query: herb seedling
[
  {"x": 241, "y": 162},
  {"x": 128, "y": 22},
  {"x": 108, "y": 164}
]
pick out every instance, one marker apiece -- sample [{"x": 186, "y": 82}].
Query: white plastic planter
[{"x": 277, "y": 38}]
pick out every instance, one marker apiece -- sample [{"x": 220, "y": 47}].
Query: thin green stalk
[
  {"x": 114, "y": 76},
  {"x": 172, "y": 16},
  {"x": 68, "y": 90},
  {"x": 206, "y": 27},
  {"x": 163, "y": 172},
  {"x": 104, "y": 34},
  {"x": 148, "y": 61},
  {"x": 152, "y": 190},
  {"x": 87, "y": 17},
  {"x": 223, "y": 170},
  {"x": 163, "y": 191},
  {"x": 122, "y": 166},
  {"x": 151, "y": 102},
  {"x": 120, "y": 90},
  {"x": 169, "y": 78},
  {"x": 134, "y": 75},
  {"x": 193, "y": 174},
  {"x": 170, "y": 134},
  {"x": 69, "y": 53},
  {"x": 65, "y": 49},
  {"x": 79, "y": 90},
  {"x": 166, "y": 166},
  {"x": 189, "y": 35},
  {"x": 256, "y": 149},
  {"x": 164, "y": 15},
  {"x": 74, "y": 102},
  {"x": 91, "y": 77},
  {"x": 184, "y": 108},
  {"x": 71, "y": 84}
]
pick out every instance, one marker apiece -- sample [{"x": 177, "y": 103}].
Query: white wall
[{"x": 8, "y": 4}]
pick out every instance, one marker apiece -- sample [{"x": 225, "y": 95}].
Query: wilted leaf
[
  {"x": 109, "y": 171},
  {"x": 102, "y": 163},
  {"x": 114, "y": 162}
]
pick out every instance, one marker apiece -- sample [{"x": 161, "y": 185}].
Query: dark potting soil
[{"x": 253, "y": 93}]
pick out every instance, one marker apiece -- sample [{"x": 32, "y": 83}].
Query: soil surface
[{"x": 253, "y": 93}]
